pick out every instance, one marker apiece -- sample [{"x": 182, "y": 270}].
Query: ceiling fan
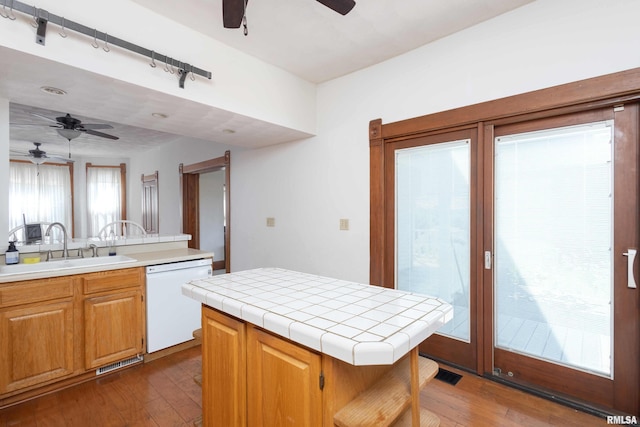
[
  {"x": 38, "y": 157},
  {"x": 234, "y": 11},
  {"x": 69, "y": 127}
]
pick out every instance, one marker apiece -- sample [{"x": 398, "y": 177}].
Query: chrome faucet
[
  {"x": 94, "y": 248},
  {"x": 65, "y": 252}
]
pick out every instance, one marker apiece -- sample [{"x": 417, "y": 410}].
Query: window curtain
[
  {"x": 104, "y": 192},
  {"x": 42, "y": 193}
]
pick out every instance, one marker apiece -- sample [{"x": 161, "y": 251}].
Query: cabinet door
[
  {"x": 36, "y": 344},
  {"x": 283, "y": 382},
  {"x": 224, "y": 379},
  {"x": 113, "y": 327}
]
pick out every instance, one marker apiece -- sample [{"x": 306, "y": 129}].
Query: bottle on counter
[
  {"x": 12, "y": 256},
  {"x": 111, "y": 243}
]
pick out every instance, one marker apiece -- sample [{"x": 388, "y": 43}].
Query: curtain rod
[{"x": 41, "y": 17}]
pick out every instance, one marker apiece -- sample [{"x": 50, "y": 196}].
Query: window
[
  {"x": 40, "y": 193},
  {"x": 105, "y": 197}
]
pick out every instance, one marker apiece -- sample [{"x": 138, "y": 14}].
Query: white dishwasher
[{"x": 172, "y": 317}]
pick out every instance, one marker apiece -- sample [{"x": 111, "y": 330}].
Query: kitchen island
[{"x": 289, "y": 348}]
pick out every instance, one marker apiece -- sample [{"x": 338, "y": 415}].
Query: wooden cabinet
[
  {"x": 114, "y": 316},
  {"x": 284, "y": 386},
  {"x": 251, "y": 377},
  {"x": 54, "y": 330},
  {"x": 36, "y": 333},
  {"x": 224, "y": 373}
]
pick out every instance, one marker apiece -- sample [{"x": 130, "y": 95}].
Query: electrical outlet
[
  {"x": 271, "y": 222},
  {"x": 344, "y": 224}
]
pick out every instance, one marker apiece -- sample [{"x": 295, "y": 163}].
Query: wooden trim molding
[
  {"x": 583, "y": 95},
  {"x": 376, "y": 207},
  {"x": 150, "y": 202},
  {"x": 189, "y": 178}
]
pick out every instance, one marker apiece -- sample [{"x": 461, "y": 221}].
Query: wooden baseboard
[
  {"x": 167, "y": 351},
  {"x": 219, "y": 265}
]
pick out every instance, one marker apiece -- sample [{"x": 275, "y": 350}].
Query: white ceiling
[
  {"x": 301, "y": 36},
  {"x": 310, "y": 40}
]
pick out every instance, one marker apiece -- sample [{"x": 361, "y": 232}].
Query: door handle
[{"x": 631, "y": 257}]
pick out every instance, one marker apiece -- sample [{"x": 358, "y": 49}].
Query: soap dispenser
[
  {"x": 12, "y": 256},
  {"x": 111, "y": 243}
]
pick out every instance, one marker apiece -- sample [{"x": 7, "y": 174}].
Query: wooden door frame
[
  {"x": 190, "y": 204},
  {"x": 604, "y": 91}
]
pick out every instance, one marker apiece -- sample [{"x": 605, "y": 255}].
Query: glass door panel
[
  {"x": 432, "y": 228},
  {"x": 553, "y": 246}
]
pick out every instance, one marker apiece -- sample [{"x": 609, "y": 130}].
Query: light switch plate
[
  {"x": 271, "y": 222},
  {"x": 344, "y": 224}
]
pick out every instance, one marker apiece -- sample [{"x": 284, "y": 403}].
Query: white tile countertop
[{"x": 356, "y": 323}]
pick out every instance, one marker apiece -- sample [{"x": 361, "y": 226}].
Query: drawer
[
  {"x": 113, "y": 279},
  {"x": 36, "y": 290}
]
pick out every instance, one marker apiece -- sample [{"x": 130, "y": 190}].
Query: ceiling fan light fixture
[
  {"x": 69, "y": 134},
  {"x": 38, "y": 160}
]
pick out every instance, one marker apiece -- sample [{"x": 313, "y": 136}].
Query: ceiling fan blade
[
  {"x": 32, "y": 124},
  {"x": 96, "y": 126},
  {"x": 60, "y": 159},
  {"x": 45, "y": 117},
  {"x": 232, "y": 13},
  {"x": 341, "y": 6},
  {"x": 100, "y": 134}
]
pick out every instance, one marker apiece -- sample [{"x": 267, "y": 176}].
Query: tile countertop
[{"x": 356, "y": 323}]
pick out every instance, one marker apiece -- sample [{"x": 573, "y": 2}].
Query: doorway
[{"x": 206, "y": 207}]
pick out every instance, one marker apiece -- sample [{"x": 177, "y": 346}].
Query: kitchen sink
[{"x": 63, "y": 264}]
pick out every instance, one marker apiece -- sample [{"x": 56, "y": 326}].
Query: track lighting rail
[{"x": 42, "y": 17}]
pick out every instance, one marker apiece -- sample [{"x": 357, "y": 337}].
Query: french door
[
  {"x": 435, "y": 198},
  {"x": 563, "y": 229},
  {"x": 528, "y": 230}
]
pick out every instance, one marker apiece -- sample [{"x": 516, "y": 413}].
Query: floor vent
[
  {"x": 118, "y": 365},
  {"x": 448, "y": 376}
]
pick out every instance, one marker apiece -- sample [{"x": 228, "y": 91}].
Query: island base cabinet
[
  {"x": 37, "y": 345},
  {"x": 284, "y": 383},
  {"x": 251, "y": 377},
  {"x": 224, "y": 373}
]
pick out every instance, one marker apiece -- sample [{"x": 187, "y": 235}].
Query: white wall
[{"x": 307, "y": 186}]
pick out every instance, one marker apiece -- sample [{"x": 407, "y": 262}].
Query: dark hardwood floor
[
  {"x": 163, "y": 393},
  {"x": 159, "y": 393}
]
